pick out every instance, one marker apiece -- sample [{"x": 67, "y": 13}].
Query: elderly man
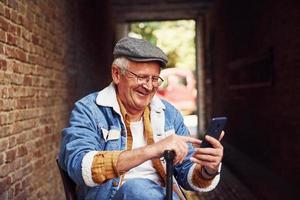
[{"x": 114, "y": 143}]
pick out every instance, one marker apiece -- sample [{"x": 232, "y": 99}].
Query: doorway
[{"x": 178, "y": 39}]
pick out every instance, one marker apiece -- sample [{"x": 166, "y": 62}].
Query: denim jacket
[{"x": 96, "y": 124}]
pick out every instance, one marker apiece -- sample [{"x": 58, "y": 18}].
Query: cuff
[
  {"x": 200, "y": 184},
  {"x": 104, "y": 166},
  {"x": 86, "y": 166}
]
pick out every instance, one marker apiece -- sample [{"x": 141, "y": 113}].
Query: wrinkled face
[{"x": 134, "y": 95}]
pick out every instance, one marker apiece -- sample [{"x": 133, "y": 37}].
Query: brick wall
[
  {"x": 263, "y": 121},
  {"x": 51, "y": 53}
]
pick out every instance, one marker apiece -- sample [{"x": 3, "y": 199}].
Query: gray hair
[{"x": 121, "y": 63}]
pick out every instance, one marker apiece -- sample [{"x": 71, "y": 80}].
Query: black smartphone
[{"x": 215, "y": 128}]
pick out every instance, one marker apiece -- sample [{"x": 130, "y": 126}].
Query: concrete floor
[{"x": 229, "y": 188}]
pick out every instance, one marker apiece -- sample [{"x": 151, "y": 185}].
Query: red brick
[
  {"x": 20, "y": 19},
  {"x": 12, "y": 4},
  {"x": 10, "y": 155},
  {"x": 18, "y": 188},
  {"x": 14, "y": 16},
  {"x": 5, "y": 170},
  {"x": 3, "y": 24},
  {"x": 8, "y": 105},
  {"x": 18, "y": 175},
  {"x": 2, "y": 37},
  {"x": 11, "y": 39},
  {"x": 21, "y": 103},
  {"x": 1, "y": 158},
  {"x": 3, "y": 65},
  {"x": 17, "y": 79},
  {"x": 10, "y": 93},
  {"x": 9, "y": 51},
  {"x": 20, "y": 55},
  {"x": 22, "y": 125},
  {"x": 3, "y": 118},
  {"x": 5, "y": 183},
  {"x": 1, "y": 47},
  {"x": 5, "y": 130},
  {"x": 35, "y": 40},
  {"x": 26, "y": 35},
  {"x": 7, "y": 13},
  {"x": 2, "y": 77},
  {"x": 21, "y": 8},
  {"x": 21, "y": 140},
  {"x": 1, "y": 9},
  {"x": 28, "y": 169},
  {"x": 16, "y": 67},
  {"x": 32, "y": 58},
  {"x": 27, "y": 81},
  {"x": 3, "y": 144},
  {"x": 13, "y": 29},
  {"x": 12, "y": 142}
]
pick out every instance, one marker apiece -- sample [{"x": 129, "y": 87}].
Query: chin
[{"x": 141, "y": 106}]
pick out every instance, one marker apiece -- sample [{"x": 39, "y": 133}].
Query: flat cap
[{"x": 139, "y": 50}]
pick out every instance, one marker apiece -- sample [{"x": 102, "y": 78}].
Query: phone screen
[{"x": 215, "y": 128}]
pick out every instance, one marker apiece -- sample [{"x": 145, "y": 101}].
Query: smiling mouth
[{"x": 143, "y": 92}]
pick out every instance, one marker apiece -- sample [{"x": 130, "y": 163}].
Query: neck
[
  {"x": 134, "y": 117},
  {"x": 133, "y": 114}
]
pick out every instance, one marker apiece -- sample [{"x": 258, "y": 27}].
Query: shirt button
[{"x": 115, "y": 184}]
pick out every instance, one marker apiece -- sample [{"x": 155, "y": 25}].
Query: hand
[
  {"x": 174, "y": 142},
  {"x": 210, "y": 158}
]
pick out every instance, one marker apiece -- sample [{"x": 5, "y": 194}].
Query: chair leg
[{"x": 69, "y": 185}]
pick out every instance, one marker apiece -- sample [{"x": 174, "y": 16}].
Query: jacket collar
[{"x": 108, "y": 97}]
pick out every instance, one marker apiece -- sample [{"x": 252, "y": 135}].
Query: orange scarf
[{"x": 148, "y": 134}]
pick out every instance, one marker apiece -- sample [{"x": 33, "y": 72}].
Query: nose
[{"x": 148, "y": 84}]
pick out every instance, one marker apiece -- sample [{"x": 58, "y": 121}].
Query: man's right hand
[
  {"x": 129, "y": 159},
  {"x": 173, "y": 142}
]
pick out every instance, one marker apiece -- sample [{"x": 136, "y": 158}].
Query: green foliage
[
  {"x": 145, "y": 30},
  {"x": 175, "y": 38}
]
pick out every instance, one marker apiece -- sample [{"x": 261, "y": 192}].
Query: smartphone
[{"x": 215, "y": 128}]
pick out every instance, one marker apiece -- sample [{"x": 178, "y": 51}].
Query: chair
[{"x": 69, "y": 185}]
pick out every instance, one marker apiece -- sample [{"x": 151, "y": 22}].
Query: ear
[{"x": 116, "y": 74}]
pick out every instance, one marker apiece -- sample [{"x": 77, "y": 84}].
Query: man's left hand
[{"x": 210, "y": 158}]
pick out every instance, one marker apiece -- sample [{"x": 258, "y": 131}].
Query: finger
[
  {"x": 213, "y": 156},
  {"x": 207, "y": 158},
  {"x": 183, "y": 148},
  {"x": 214, "y": 142},
  {"x": 196, "y": 145},
  {"x": 180, "y": 151},
  {"x": 195, "y": 160},
  {"x": 179, "y": 145},
  {"x": 208, "y": 164},
  {"x": 222, "y": 135},
  {"x": 203, "y": 163},
  {"x": 189, "y": 139},
  {"x": 208, "y": 151},
  {"x": 178, "y": 156}
]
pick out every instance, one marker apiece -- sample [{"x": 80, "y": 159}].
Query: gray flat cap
[{"x": 139, "y": 50}]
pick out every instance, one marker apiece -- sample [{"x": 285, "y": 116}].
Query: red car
[{"x": 179, "y": 88}]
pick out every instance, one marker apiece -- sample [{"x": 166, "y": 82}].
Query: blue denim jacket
[{"x": 96, "y": 124}]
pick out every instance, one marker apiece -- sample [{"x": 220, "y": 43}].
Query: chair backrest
[{"x": 69, "y": 185}]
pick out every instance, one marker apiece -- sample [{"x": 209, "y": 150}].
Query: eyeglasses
[{"x": 144, "y": 79}]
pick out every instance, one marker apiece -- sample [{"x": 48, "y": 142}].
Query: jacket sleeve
[{"x": 82, "y": 141}]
